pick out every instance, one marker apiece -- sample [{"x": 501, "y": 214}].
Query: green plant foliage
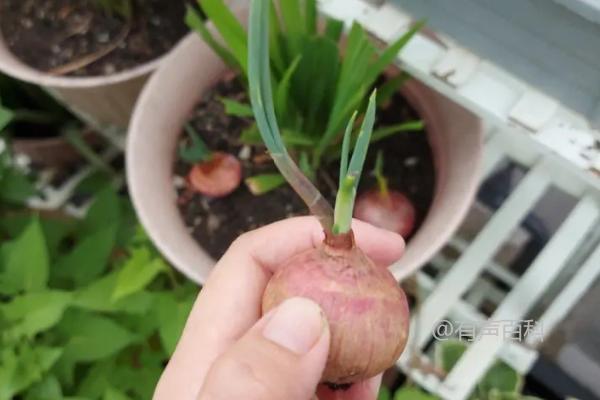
[
  {"x": 89, "y": 308},
  {"x": 197, "y": 150},
  {"x": 500, "y": 381},
  {"x": 317, "y": 82},
  {"x": 412, "y": 393}
]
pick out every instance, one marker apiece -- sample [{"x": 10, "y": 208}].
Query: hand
[{"x": 227, "y": 351}]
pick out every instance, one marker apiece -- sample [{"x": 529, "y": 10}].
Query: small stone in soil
[
  {"x": 245, "y": 153},
  {"x": 213, "y": 223},
  {"x": 411, "y": 161},
  {"x": 178, "y": 182}
]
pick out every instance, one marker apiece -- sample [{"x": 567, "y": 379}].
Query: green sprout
[
  {"x": 261, "y": 96},
  {"x": 382, "y": 181},
  {"x": 197, "y": 150}
]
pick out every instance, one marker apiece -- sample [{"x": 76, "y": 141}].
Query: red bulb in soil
[
  {"x": 391, "y": 210},
  {"x": 217, "y": 177},
  {"x": 366, "y": 309}
]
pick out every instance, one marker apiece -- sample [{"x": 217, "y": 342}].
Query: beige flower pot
[
  {"x": 179, "y": 84},
  {"x": 102, "y": 100}
]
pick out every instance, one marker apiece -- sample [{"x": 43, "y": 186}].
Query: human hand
[{"x": 227, "y": 351}]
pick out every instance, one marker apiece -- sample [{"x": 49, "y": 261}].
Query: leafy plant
[
  {"x": 89, "y": 309},
  {"x": 317, "y": 80},
  {"x": 500, "y": 381}
]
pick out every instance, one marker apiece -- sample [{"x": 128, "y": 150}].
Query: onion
[
  {"x": 217, "y": 177},
  {"x": 366, "y": 309},
  {"x": 389, "y": 210}
]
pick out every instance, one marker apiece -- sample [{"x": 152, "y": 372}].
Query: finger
[
  {"x": 230, "y": 301},
  {"x": 281, "y": 357},
  {"x": 365, "y": 390}
]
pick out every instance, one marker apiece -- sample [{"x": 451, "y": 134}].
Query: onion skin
[
  {"x": 217, "y": 177},
  {"x": 366, "y": 308},
  {"x": 392, "y": 211}
]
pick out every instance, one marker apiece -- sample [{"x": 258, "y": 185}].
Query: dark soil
[
  {"x": 215, "y": 223},
  {"x": 49, "y": 34}
]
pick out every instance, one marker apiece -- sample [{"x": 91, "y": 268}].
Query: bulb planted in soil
[
  {"x": 390, "y": 210},
  {"x": 217, "y": 177},
  {"x": 366, "y": 309}
]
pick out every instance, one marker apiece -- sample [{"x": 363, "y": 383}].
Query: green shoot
[
  {"x": 261, "y": 96},
  {"x": 197, "y": 151},
  {"x": 350, "y": 172},
  {"x": 387, "y": 131},
  {"x": 382, "y": 181},
  {"x": 236, "y": 109},
  {"x": 261, "y": 184}
]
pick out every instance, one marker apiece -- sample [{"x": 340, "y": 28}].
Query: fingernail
[{"x": 296, "y": 325}]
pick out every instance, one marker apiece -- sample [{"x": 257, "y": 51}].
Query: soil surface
[
  {"x": 80, "y": 38},
  {"x": 215, "y": 223}
]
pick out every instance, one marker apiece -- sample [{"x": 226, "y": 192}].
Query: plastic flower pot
[{"x": 191, "y": 69}]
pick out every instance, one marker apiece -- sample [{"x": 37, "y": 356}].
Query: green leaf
[
  {"x": 26, "y": 261},
  {"x": 104, "y": 209},
  {"x": 89, "y": 258},
  {"x": 251, "y": 136},
  {"x": 346, "y": 148},
  {"x": 282, "y": 95},
  {"x": 344, "y": 202},
  {"x": 314, "y": 82},
  {"x": 6, "y": 117},
  {"x": 447, "y": 354},
  {"x": 92, "y": 337},
  {"x": 32, "y": 313},
  {"x": 261, "y": 184},
  {"x": 172, "y": 316},
  {"x": 294, "y": 23},
  {"x": 391, "y": 52},
  {"x": 197, "y": 151},
  {"x": 501, "y": 377},
  {"x": 291, "y": 138},
  {"x": 310, "y": 16},
  {"x": 334, "y": 29},
  {"x": 384, "y": 394},
  {"x": 97, "y": 296},
  {"x": 114, "y": 394},
  {"x": 23, "y": 367},
  {"x": 390, "y": 88},
  {"x": 387, "y": 131},
  {"x": 48, "y": 389},
  {"x": 194, "y": 20},
  {"x": 411, "y": 393},
  {"x": 15, "y": 187},
  {"x": 139, "y": 270},
  {"x": 236, "y": 109},
  {"x": 97, "y": 378},
  {"x": 229, "y": 27}
]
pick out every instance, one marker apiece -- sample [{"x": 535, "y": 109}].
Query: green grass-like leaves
[{"x": 317, "y": 83}]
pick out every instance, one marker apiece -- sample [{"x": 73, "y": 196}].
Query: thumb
[{"x": 281, "y": 357}]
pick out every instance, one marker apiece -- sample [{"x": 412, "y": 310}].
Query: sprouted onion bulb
[
  {"x": 364, "y": 305},
  {"x": 366, "y": 310}
]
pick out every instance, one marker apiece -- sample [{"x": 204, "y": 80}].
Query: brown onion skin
[
  {"x": 217, "y": 177},
  {"x": 366, "y": 309},
  {"x": 392, "y": 211}
]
